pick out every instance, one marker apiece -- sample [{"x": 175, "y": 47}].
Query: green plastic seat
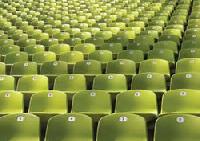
[
  {"x": 32, "y": 83},
  {"x": 188, "y": 65},
  {"x": 93, "y": 103},
  {"x": 70, "y": 83},
  {"x": 186, "y": 102},
  {"x": 115, "y": 48},
  {"x": 180, "y": 127},
  {"x": 43, "y": 57},
  {"x": 7, "y": 82},
  {"x": 119, "y": 127},
  {"x": 9, "y": 49},
  {"x": 11, "y": 102},
  {"x": 112, "y": 83},
  {"x": 123, "y": 38},
  {"x": 54, "y": 68},
  {"x": 173, "y": 38},
  {"x": 2, "y": 68},
  {"x": 149, "y": 81},
  {"x": 20, "y": 127},
  {"x": 189, "y": 53},
  {"x": 106, "y": 35},
  {"x": 49, "y": 42},
  {"x": 83, "y": 35},
  {"x": 86, "y": 48},
  {"x": 23, "y": 68},
  {"x": 96, "y": 41},
  {"x": 155, "y": 66},
  {"x": 34, "y": 49},
  {"x": 121, "y": 66},
  {"x": 62, "y": 36},
  {"x": 48, "y": 103},
  {"x": 185, "y": 81},
  {"x": 15, "y": 57},
  {"x": 142, "y": 46},
  {"x": 87, "y": 67},
  {"x": 69, "y": 127},
  {"x": 59, "y": 48},
  {"x": 72, "y": 57},
  {"x": 103, "y": 56},
  {"x": 6, "y": 42},
  {"x": 166, "y": 45},
  {"x": 142, "y": 102},
  {"x": 164, "y": 54},
  {"x": 189, "y": 44},
  {"x": 134, "y": 55},
  {"x": 73, "y": 41}
]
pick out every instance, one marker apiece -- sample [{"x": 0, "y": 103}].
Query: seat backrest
[
  {"x": 119, "y": 127},
  {"x": 69, "y": 127},
  {"x": 178, "y": 126},
  {"x": 20, "y": 127},
  {"x": 24, "y": 68}
]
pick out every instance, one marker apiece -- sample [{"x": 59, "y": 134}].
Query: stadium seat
[
  {"x": 113, "y": 83},
  {"x": 134, "y": 55},
  {"x": 32, "y": 83},
  {"x": 103, "y": 56},
  {"x": 93, "y": 103},
  {"x": 185, "y": 81},
  {"x": 7, "y": 82},
  {"x": 155, "y": 66},
  {"x": 121, "y": 66},
  {"x": 142, "y": 102},
  {"x": 54, "y": 68},
  {"x": 72, "y": 57},
  {"x": 119, "y": 127},
  {"x": 87, "y": 67},
  {"x": 11, "y": 102},
  {"x": 149, "y": 81},
  {"x": 43, "y": 57},
  {"x": 166, "y": 45},
  {"x": 178, "y": 126},
  {"x": 48, "y": 103},
  {"x": 70, "y": 83},
  {"x": 23, "y": 68},
  {"x": 2, "y": 68},
  {"x": 15, "y": 57},
  {"x": 189, "y": 53},
  {"x": 20, "y": 127},
  {"x": 186, "y": 102},
  {"x": 188, "y": 65},
  {"x": 71, "y": 127}
]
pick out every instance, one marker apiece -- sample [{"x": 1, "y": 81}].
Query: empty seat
[
  {"x": 134, "y": 55},
  {"x": 14, "y": 57},
  {"x": 59, "y": 48},
  {"x": 42, "y": 57},
  {"x": 142, "y": 102},
  {"x": 189, "y": 53},
  {"x": 86, "y": 48},
  {"x": 11, "y": 102},
  {"x": 7, "y": 82},
  {"x": 155, "y": 66},
  {"x": 2, "y": 68},
  {"x": 180, "y": 127},
  {"x": 70, "y": 127},
  {"x": 72, "y": 57},
  {"x": 149, "y": 81},
  {"x": 70, "y": 83},
  {"x": 23, "y": 68},
  {"x": 103, "y": 56},
  {"x": 87, "y": 67},
  {"x": 20, "y": 127},
  {"x": 188, "y": 65},
  {"x": 185, "y": 81},
  {"x": 48, "y": 103},
  {"x": 166, "y": 45},
  {"x": 115, "y": 48},
  {"x": 113, "y": 83},
  {"x": 54, "y": 68},
  {"x": 121, "y": 66},
  {"x": 32, "y": 83},
  {"x": 120, "y": 127},
  {"x": 93, "y": 103},
  {"x": 9, "y": 49},
  {"x": 181, "y": 101}
]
